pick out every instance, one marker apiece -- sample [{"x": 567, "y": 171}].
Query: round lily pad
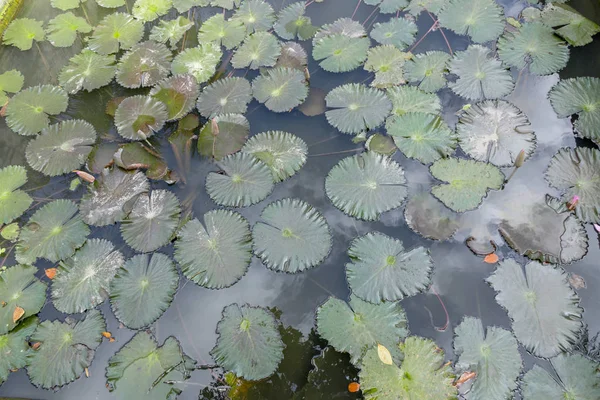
[
  {"x": 399, "y": 32},
  {"x": 171, "y": 31},
  {"x": 63, "y": 29},
  {"x": 292, "y": 23},
  {"x": 228, "y": 33},
  {"x": 260, "y": 49},
  {"x": 482, "y": 20},
  {"x": 387, "y": 63},
  {"x": 256, "y": 15},
  {"x": 19, "y": 288},
  {"x": 340, "y": 53},
  {"x": 428, "y": 217},
  {"x": 428, "y": 70},
  {"x": 225, "y": 96},
  {"x": 225, "y": 134},
  {"x": 200, "y": 61},
  {"x": 87, "y": 70},
  {"x": 144, "y": 65},
  {"x": 27, "y": 112},
  {"x": 13, "y": 202},
  {"x": 10, "y": 82},
  {"x": 149, "y": 10},
  {"x": 178, "y": 93},
  {"x": 117, "y": 31},
  {"x": 280, "y": 89},
  {"x": 139, "y": 117},
  {"x": 21, "y": 33},
  {"x": 292, "y": 55}
]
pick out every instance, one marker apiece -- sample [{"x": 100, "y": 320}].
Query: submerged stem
[{"x": 356, "y": 8}]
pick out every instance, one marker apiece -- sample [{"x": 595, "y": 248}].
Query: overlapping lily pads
[
  {"x": 87, "y": 70},
  {"x": 482, "y": 20},
  {"x": 200, "y": 61},
  {"x": 144, "y": 65},
  {"x": 149, "y": 10},
  {"x": 225, "y": 134},
  {"x": 19, "y": 288},
  {"x": 14, "y": 347},
  {"x": 10, "y": 82},
  {"x": 139, "y": 117},
  {"x": 28, "y": 111},
  {"x": 63, "y": 29},
  {"x": 225, "y": 96},
  {"x": 260, "y": 49},
  {"x": 399, "y": 32},
  {"x": 387, "y": 62},
  {"x": 292, "y": 23},
  {"x": 178, "y": 93},
  {"x": 388, "y": 6},
  {"x": 569, "y": 24},
  {"x": 280, "y": 89},
  {"x": 13, "y": 202},
  {"x": 171, "y": 31},
  {"x": 407, "y": 99},
  {"x": 428, "y": 70},
  {"x": 292, "y": 56},
  {"x": 283, "y": 152},
  {"x": 427, "y": 216},
  {"x": 117, "y": 31}
]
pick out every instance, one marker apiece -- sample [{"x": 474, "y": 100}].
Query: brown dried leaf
[
  {"x": 50, "y": 273},
  {"x": 17, "y": 314}
]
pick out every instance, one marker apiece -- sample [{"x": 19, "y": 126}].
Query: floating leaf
[
  {"x": 10, "y": 232},
  {"x": 345, "y": 26},
  {"x": 14, "y": 347},
  {"x": 87, "y": 70},
  {"x": 381, "y": 144},
  {"x": 387, "y": 62},
  {"x": 314, "y": 104},
  {"x": 256, "y": 15},
  {"x": 225, "y": 134},
  {"x": 10, "y": 82},
  {"x": 19, "y": 288},
  {"x": 105, "y": 202},
  {"x": 280, "y": 89},
  {"x": 366, "y": 185},
  {"x": 144, "y": 65},
  {"x": 82, "y": 281},
  {"x": 117, "y": 31},
  {"x": 283, "y": 152},
  {"x": 493, "y": 357},
  {"x": 482, "y": 20},
  {"x": 468, "y": 182},
  {"x": 152, "y": 221},
  {"x": 61, "y": 147},
  {"x": 227, "y": 95},
  {"x": 417, "y": 6},
  {"x": 357, "y": 326},
  {"x": 425, "y": 137},
  {"x": 576, "y": 29},
  {"x": 67, "y": 348},
  {"x": 133, "y": 156},
  {"x": 388, "y": 6},
  {"x": 381, "y": 270},
  {"x": 340, "y": 53},
  {"x": 13, "y": 202},
  {"x": 21, "y": 33},
  {"x": 399, "y": 32},
  {"x": 292, "y": 55},
  {"x": 578, "y": 378},
  {"x": 200, "y": 61},
  {"x": 27, "y": 112},
  {"x": 171, "y": 31},
  {"x": 575, "y": 173},
  {"x": 495, "y": 132},
  {"x": 63, "y": 29},
  {"x": 260, "y": 49},
  {"x": 149, "y": 10},
  {"x": 53, "y": 232},
  {"x": 111, "y": 3},
  {"x": 143, "y": 289},
  {"x": 293, "y": 24},
  {"x": 407, "y": 99},
  {"x": 143, "y": 367},
  {"x": 535, "y": 46},
  {"x": 185, "y": 5},
  {"x": 249, "y": 343},
  {"x": 217, "y": 254},
  {"x": 293, "y": 237},
  {"x": 178, "y": 93},
  {"x": 544, "y": 309},
  {"x": 244, "y": 180},
  {"x": 480, "y": 74},
  {"x": 425, "y": 215},
  {"x": 229, "y": 33},
  {"x": 226, "y": 4},
  {"x": 138, "y": 117},
  {"x": 428, "y": 70},
  {"x": 356, "y": 108},
  {"x": 66, "y": 4},
  {"x": 579, "y": 96}
]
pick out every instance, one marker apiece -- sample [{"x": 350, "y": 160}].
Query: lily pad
[
  {"x": 87, "y": 70},
  {"x": 111, "y": 3},
  {"x": 292, "y": 236},
  {"x": 66, "y": 4},
  {"x": 13, "y": 202},
  {"x": 152, "y": 221},
  {"x": 388, "y": 6},
  {"x": 280, "y": 89},
  {"x": 428, "y": 70},
  {"x": 345, "y": 26},
  {"x": 340, "y": 53},
  {"x": 117, "y": 31},
  {"x": 249, "y": 343},
  {"x": 185, "y": 5},
  {"x": 217, "y": 254},
  {"x": 260, "y": 49},
  {"x": 422, "y": 375},
  {"x": 14, "y": 347},
  {"x": 580, "y": 96},
  {"x": 407, "y": 99},
  {"x": 61, "y": 147},
  {"x": 200, "y": 61},
  {"x": 416, "y": 7},
  {"x": 399, "y": 32},
  {"x": 171, "y": 31},
  {"x": 53, "y": 232},
  {"x": 144, "y": 65},
  {"x": 21, "y": 33},
  {"x": 138, "y": 155},
  {"x": 381, "y": 144},
  {"x": 366, "y": 185},
  {"x": 425, "y": 137},
  {"x": 576, "y": 172},
  {"x": 229, "y": 33},
  {"x": 10, "y": 82},
  {"x": 82, "y": 281},
  {"x": 283, "y": 152},
  {"x": 138, "y": 117},
  {"x": 19, "y": 288},
  {"x": 149, "y": 10},
  {"x": 226, "y": 4},
  {"x": 225, "y": 96},
  {"x": 293, "y": 24},
  {"x": 480, "y": 74},
  {"x": 535, "y": 46},
  {"x": 482, "y": 20},
  {"x": 387, "y": 63},
  {"x": 357, "y": 326},
  {"x": 381, "y": 270},
  {"x": 63, "y": 29},
  {"x": 225, "y": 134},
  {"x": 425, "y": 215},
  {"x": 66, "y": 349},
  {"x": 105, "y": 202},
  {"x": 493, "y": 356},
  {"x": 495, "y": 132},
  {"x": 356, "y": 108},
  {"x": 178, "y": 93},
  {"x": 544, "y": 309},
  {"x": 256, "y": 15},
  {"x": 143, "y": 289},
  {"x": 27, "y": 112},
  {"x": 468, "y": 182},
  {"x": 243, "y": 180},
  {"x": 576, "y": 29},
  {"x": 292, "y": 55}
]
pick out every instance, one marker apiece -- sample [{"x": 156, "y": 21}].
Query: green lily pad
[
  {"x": 111, "y": 3},
  {"x": 407, "y": 99},
  {"x": 14, "y": 348},
  {"x": 62, "y": 30},
  {"x": 66, "y": 349},
  {"x": 171, "y": 31},
  {"x": 428, "y": 217},
  {"x": 280, "y": 89},
  {"x": 260, "y": 49},
  {"x": 61, "y": 147},
  {"x": 381, "y": 144},
  {"x": 357, "y": 326},
  {"x": 249, "y": 343},
  {"x": 19, "y": 288},
  {"x": 428, "y": 70},
  {"x": 293, "y": 24},
  {"x": 468, "y": 182},
  {"x": 544, "y": 309},
  {"x": 229, "y": 137},
  {"x": 366, "y": 185},
  {"x": 53, "y": 232},
  {"x": 256, "y": 15},
  {"x": 388, "y": 6},
  {"x": 345, "y": 26},
  {"x": 82, "y": 281},
  {"x": 117, "y": 31},
  {"x": 139, "y": 117},
  {"x": 576, "y": 29},
  {"x": 10, "y": 232},
  {"x": 27, "y": 112},
  {"x": 185, "y": 5},
  {"x": 66, "y": 4},
  {"x": 292, "y": 55},
  {"x": 283, "y": 152},
  {"x": 229, "y": 33},
  {"x": 87, "y": 70},
  {"x": 493, "y": 356},
  {"x": 178, "y": 93},
  {"x": 339, "y": 52},
  {"x": 144, "y": 65},
  {"x": 416, "y": 7},
  {"x": 138, "y": 155},
  {"x": 152, "y": 221},
  {"x": 381, "y": 270},
  {"x": 225, "y": 96},
  {"x": 13, "y": 202},
  {"x": 399, "y": 32},
  {"x": 217, "y": 254},
  {"x": 226, "y": 4},
  {"x": 293, "y": 237},
  {"x": 482, "y": 20},
  {"x": 387, "y": 63},
  {"x": 21, "y": 33},
  {"x": 149, "y": 10},
  {"x": 200, "y": 61},
  {"x": 10, "y": 82},
  {"x": 143, "y": 289}
]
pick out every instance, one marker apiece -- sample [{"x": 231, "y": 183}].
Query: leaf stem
[
  {"x": 433, "y": 26},
  {"x": 442, "y": 32},
  {"x": 356, "y": 9},
  {"x": 336, "y": 152},
  {"x": 370, "y": 15}
]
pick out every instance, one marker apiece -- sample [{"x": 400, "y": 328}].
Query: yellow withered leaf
[{"x": 384, "y": 355}]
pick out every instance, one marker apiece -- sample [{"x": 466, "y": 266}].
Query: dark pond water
[{"x": 459, "y": 274}]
